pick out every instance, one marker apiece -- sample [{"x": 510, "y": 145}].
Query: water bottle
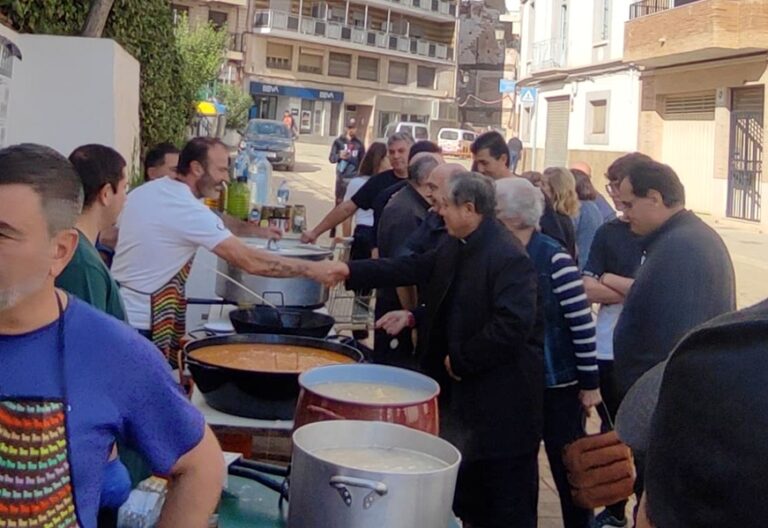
[
  {"x": 238, "y": 202},
  {"x": 241, "y": 165},
  {"x": 283, "y": 192},
  {"x": 260, "y": 177}
]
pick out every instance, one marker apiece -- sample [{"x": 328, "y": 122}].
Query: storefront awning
[{"x": 315, "y": 94}]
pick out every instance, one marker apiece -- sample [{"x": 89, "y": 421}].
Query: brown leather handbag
[{"x": 600, "y": 469}]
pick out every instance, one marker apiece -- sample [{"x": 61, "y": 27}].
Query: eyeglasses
[{"x": 612, "y": 189}]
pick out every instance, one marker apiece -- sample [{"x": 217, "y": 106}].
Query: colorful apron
[
  {"x": 168, "y": 315},
  {"x": 35, "y": 474}
]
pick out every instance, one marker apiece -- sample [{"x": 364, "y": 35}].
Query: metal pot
[
  {"x": 295, "y": 291},
  {"x": 328, "y": 494},
  {"x": 252, "y": 393},
  {"x": 314, "y": 407},
  {"x": 283, "y": 321}
]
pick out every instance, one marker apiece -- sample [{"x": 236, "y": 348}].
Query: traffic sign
[
  {"x": 507, "y": 86},
  {"x": 528, "y": 95}
]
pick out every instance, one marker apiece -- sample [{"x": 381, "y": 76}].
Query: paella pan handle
[
  {"x": 280, "y": 295},
  {"x": 272, "y": 245},
  {"x": 342, "y": 482}
]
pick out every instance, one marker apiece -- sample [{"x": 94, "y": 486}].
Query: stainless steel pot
[
  {"x": 294, "y": 292},
  {"x": 327, "y": 494}
]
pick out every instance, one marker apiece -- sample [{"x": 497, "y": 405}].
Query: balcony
[
  {"x": 667, "y": 32},
  {"x": 548, "y": 55},
  {"x": 336, "y": 33},
  {"x": 235, "y": 47},
  {"x": 236, "y": 3},
  {"x": 437, "y": 9}
]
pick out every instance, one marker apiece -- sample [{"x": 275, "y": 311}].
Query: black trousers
[
  {"x": 498, "y": 493},
  {"x": 564, "y": 422},
  {"x": 611, "y": 398}
]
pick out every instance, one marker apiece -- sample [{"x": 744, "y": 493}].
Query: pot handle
[
  {"x": 325, "y": 412},
  {"x": 340, "y": 483}
]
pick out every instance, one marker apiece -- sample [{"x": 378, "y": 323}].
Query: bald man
[
  {"x": 583, "y": 166},
  {"x": 402, "y": 215}
]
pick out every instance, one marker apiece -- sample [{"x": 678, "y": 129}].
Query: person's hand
[
  {"x": 590, "y": 399},
  {"x": 344, "y": 154},
  {"x": 395, "y": 322},
  {"x": 270, "y": 232},
  {"x": 308, "y": 237},
  {"x": 328, "y": 272},
  {"x": 447, "y": 363}
]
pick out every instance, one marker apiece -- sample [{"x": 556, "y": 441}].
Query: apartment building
[
  {"x": 380, "y": 61},
  {"x": 488, "y": 47},
  {"x": 587, "y": 101},
  {"x": 703, "y": 103},
  {"x": 228, "y": 15}
]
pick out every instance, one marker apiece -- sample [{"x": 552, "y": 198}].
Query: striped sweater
[{"x": 568, "y": 287}]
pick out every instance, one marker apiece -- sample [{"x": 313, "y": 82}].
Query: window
[
  {"x": 421, "y": 133},
  {"x": 425, "y": 77},
  {"x": 178, "y": 12},
  {"x": 398, "y": 72},
  {"x": 340, "y": 65},
  {"x": 367, "y": 69},
  {"x": 468, "y": 136},
  {"x": 602, "y": 21},
  {"x": 598, "y": 106},
  {"x": 598, "y": 115},
  {"x": 310, "y": 61},
  {"x": 218, "y": 19},
  {"x": 279, "y": 56}
]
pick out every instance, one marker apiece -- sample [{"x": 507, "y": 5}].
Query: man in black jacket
[
  {"x": 484, "y": 342},
  {"x": 347, "y": 153}
]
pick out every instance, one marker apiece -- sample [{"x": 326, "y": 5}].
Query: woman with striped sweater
[{"x": 570, "y": 355}]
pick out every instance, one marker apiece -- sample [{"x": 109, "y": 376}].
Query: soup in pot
[
  {"x": 265, "y": 357},
  {"x": 394, "y": 460},
  {"x": 370, "y": 392}
]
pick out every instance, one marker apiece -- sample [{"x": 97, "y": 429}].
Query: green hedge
[{"x": 145, "y": 29}]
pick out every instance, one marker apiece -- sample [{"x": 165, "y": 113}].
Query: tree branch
[{"x": 97, "y": 18}]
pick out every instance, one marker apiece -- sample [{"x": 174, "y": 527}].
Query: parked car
[
  {"x": 274, "y": 138},
  {"x": 455, "y": 140},
  {"x": 419, "y": 131}
]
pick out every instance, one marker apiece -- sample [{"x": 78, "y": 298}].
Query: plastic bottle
[
  {"x": 241, "y": 164},
  {"x": 283, "y": 193},
  {"x": 238, "y": 199},
  {"x": 260, "y": 178}
]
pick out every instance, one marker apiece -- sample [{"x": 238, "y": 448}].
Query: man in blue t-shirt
[{"x": 75, "y": 380}]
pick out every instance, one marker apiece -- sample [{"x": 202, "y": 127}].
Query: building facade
[
  {"x": 585, "y": 101},
  {"x": 228, "y": 15},
  {"x": 488, "y": 50},
  {"x": 703, "y": 103},
  {"x": 380, "y": 61}
]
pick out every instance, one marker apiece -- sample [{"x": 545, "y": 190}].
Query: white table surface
[{"x": 216, "y": 418}]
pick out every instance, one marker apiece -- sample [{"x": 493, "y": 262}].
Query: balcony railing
[
  {"x": 317, "y": 27},
  {"x": 439, "y": 7},
  {"x": 548, "y": 54},
  {"x": 235, "y": 42},
  {"x": 648, "y": 7}
]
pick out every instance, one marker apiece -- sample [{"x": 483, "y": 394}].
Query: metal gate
[{"x": 746, "y": 154}]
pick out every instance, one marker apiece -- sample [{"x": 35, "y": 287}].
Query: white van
[
  {"x": 418, "y": 131},
  {"x": 455, "y": 140}
]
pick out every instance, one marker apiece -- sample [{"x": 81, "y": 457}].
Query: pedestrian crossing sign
[{"x": 528, "y": 96}]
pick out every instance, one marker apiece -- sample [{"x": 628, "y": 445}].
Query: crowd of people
[
  {"x": 530, "y": 298},
  {"x": 534, "y": 301}
]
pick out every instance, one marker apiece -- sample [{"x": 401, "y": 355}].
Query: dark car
[{"x": 272, "y": 137}]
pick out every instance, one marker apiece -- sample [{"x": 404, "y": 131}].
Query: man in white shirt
[{"x": 162, "y": 226}]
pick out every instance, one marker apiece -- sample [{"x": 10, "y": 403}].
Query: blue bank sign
[{"x": 295, "y": 91}]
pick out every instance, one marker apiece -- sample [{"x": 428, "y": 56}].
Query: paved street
[{"x": 312, "y": 184}]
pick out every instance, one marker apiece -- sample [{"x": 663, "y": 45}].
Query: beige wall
[
  {"x": 719, "y": 77},
  {"x": 255, "y": 64}
]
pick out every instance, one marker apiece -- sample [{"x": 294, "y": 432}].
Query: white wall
[
  {"x": 623, "y": 113},
  {"x": 68, "y": 91}
]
